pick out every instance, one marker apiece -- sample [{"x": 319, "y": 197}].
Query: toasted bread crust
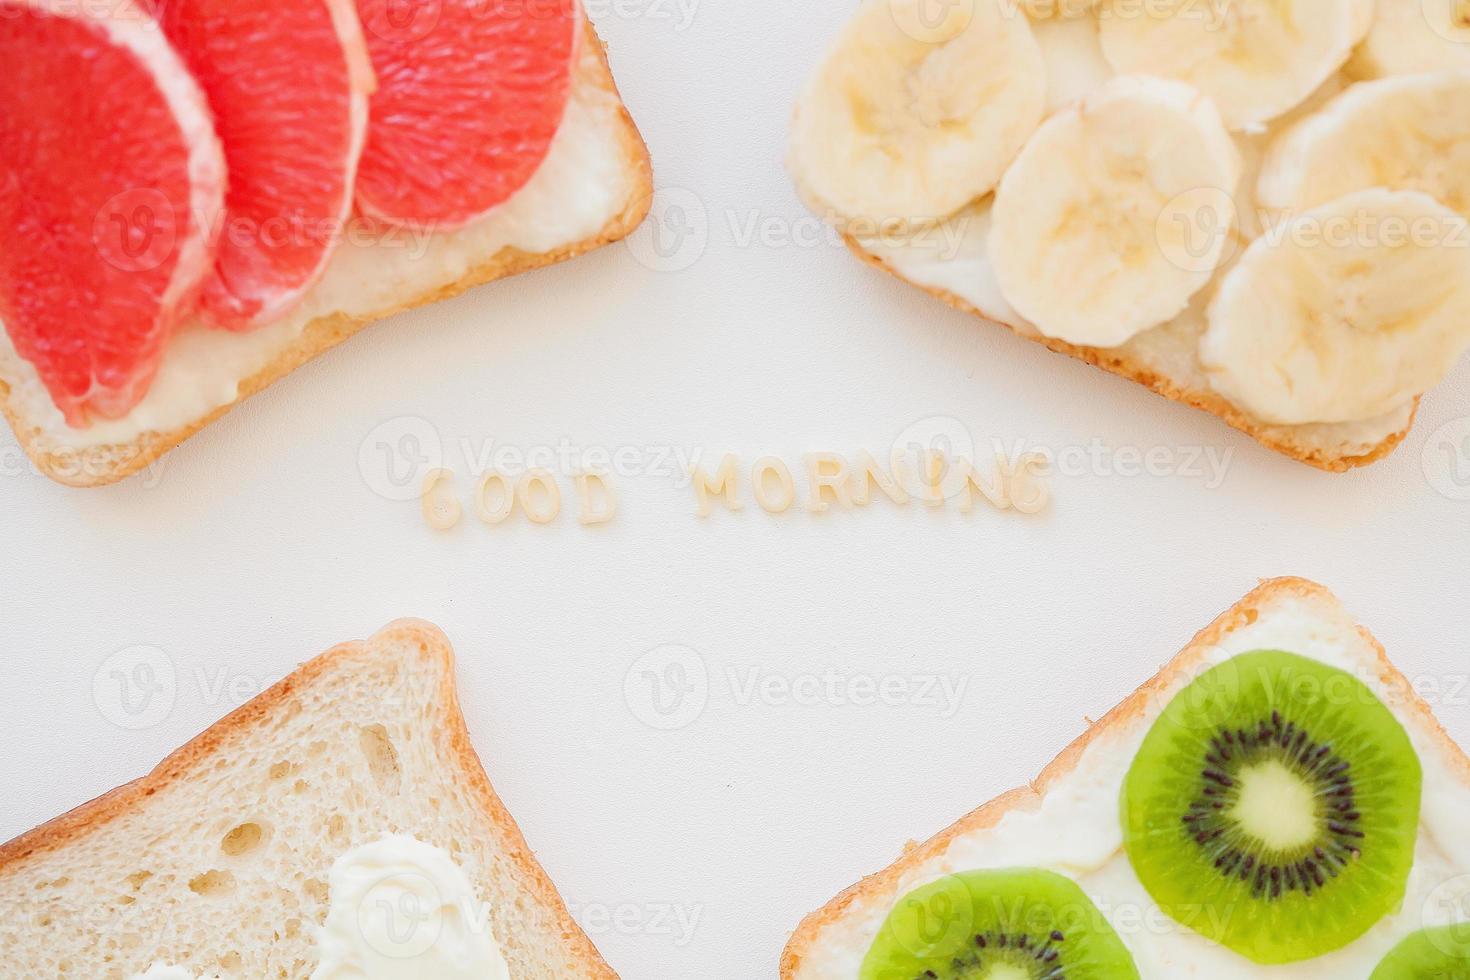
[
  {"x": 196, "y": 754},
  {"x": 110, "y": 463},
  {"x": 1115, "y": 363},
  {"x": 1134, "y": 707}
]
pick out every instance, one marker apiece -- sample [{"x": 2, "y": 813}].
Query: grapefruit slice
[
  {"x": 470, "y": 94},
  {"x": 288, "y": 81},
  {"x": 110, "y": 178}
]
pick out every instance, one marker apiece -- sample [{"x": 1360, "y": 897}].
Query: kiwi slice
[
  {"x": 1012, "y": 924},
  {"x": 1273, "y": 807},
  {"x": 1429, "y": 954}
]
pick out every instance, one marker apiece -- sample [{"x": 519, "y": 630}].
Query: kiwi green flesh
[
  {"x": 1006, "y": 924},
  {"x": 1273, "y": 807},
  {"x": 1430, "y": 954}
]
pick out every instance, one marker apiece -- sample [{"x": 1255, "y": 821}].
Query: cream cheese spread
[{"x": 401, "y": 909}]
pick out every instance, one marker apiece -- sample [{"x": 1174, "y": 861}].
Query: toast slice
[
  {"x": 595, "y": 187},
  {"x": 1067, "y": 819},
  {"x": 1161, "y": 360},
  {"x": 364, "y": 740},
  {"x": 949, "y": 260}
]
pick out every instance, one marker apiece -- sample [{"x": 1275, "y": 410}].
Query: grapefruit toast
[{"x": 257, "y": 260}]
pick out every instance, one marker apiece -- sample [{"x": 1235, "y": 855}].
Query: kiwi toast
[
  {"x": 1278, "y": 796},
  {"x": 217, "y": 861},
  {"x": 594, "y": 188}
]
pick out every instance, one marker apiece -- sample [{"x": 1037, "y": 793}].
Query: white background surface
[{"x": 261, "y": 542}]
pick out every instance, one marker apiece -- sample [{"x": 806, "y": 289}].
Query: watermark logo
[
  {"x": 401, "y": 21},
  {"x": 407, "y": 21},
  {"x": 1447, "y": 459},
  {"x": 396, "y": 457},
  {"x": 1207, "y": 465},
  {"x": 927, "y": 449},
  {"x": 136, "y": 230},
  {"x": 680, "y": 229},
  {"x": 136, "y": 687},
  {"x": 69, "y": 463},
  {"x": 667, "y": 688},
  {"x": 1363, "y": 225},
  {"x": 936, "y": 920},
  {"x": 1447, "y": 907},
  {"x": 1197, "y": 695},
  {"x": 401, "y": 915},
  {"x": 1194, "y": 228},
  {"x": 675, "y": 234},
  {"x": 1056, "y": 9},
  {"x": 674, "y": 922},
  {"x": 670, "y": 687},
  {"x": 942, "y": 693},
  {"x": 1456, "y": 26},
  {"x": 932, "y": 21},
  {"x": 678, "y": 13},
  {"x": 144, "y": 11},
  {"x": 1210, "y": 15},
  {"x": 140, "y": 229}
]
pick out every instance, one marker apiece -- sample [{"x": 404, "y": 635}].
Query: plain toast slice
[{"x": 217, "y": 861}]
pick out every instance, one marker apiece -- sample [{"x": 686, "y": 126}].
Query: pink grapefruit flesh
[
  {"x": 110, "y": 177},
  {"x": 470, "y": 94},
  {"x": 288, "y": 81}
]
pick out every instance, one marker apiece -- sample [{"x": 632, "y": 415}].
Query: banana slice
[
  {"x": 1411, "y": 132},
  {"x": 917, "y": 110},
  {"x": 1116, "y": 212},
  {"x": 1344, "y": 312},
  {"x": 1413, "y": 36},
  {"x": 1255, "y": 58}
]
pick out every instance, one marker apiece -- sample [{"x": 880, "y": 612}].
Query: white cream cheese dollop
[
  {"x": 1075, "y": 830},
  {"x": 401, "y": 909}
]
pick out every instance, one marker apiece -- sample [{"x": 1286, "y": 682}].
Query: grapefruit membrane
[
  {"x": 288, "y": 82},
  {"x": 470, "y": 95},
  {"x": 111, "y": 178}
]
